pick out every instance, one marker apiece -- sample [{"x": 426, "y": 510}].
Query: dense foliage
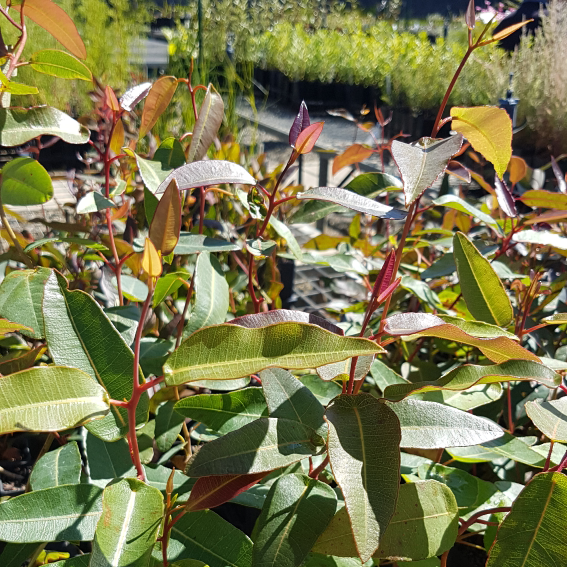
[{"x": 149, "y": 364}]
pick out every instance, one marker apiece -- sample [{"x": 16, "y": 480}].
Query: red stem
[{"x": 316, "y": 472}]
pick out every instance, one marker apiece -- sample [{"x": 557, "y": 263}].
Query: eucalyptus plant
[{"x": 147, "y": 350}]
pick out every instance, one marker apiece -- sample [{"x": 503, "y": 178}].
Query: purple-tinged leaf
[
  {"x": 299, "y": 124},
  {"x": 561, "y": 183},
  {"x": 470, "y": 19},
  {"x": 284, "y": 316},
  {"x": 422, "y": 162},
  {"x": 388, "y": 291},
  {"x": 205, "y": 173},
  {"x": 459, "y": 171},
  {"x": 384, "y": 275},
  {"x": 351, "y": 200},
  {"x": 504, "y": 197},
  {"x": 135, "y": 95}
]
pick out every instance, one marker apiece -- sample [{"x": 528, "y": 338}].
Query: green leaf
[
  {"x": 133, "y": 289},
  {"x": 15, "y": 88},
  {"x": 458, "y": 204},
  {"x": 364, "y": 451},
  {"x": 9, "y": 327},
  {"x": 530, "y": 535},
  {"x": 283, "y": 231},
  {"x": 25, "y": 182},
  {"x": 368, "y": 185},
  {"x": 15, "y": 554},
  {"x": 61, "y": 513},
  {"x": 424, "y": 524},
  {"x": 157, "y": 476},
  {"x": 206, "y": 173},
  {"x": 550, "y": 418},
  {"x": 543, "y": 238},
  {"x": 78, "y": 561},
  {"x": 384, "y": 376},
  {"x": 477, "y": 328},
  {"x": 482, "y": 289},
  {"x": 414, "y": 325},
  {"x": 49, "y": 398},
  {"x": 170, "y": 153},
  {"x": 469, "y": 375},
  {"x": 206, "y": 537},
  {"x": 20, "y": 125},
  {"x": 190, "y": 243},
  {"x": 422, "y": 162},
  {"x": 62, "y": 466},
  {"x": 332, "y": 371},
  {"x": 60, "y": 64},
  {"x": 263, "y": 445},
  {"x": 92, "y": 202},
  {"x": 428, "y": 425},
  {"x": 296, "y": 512},
  {"x": 288, "y": 398},
  {"x": 323, "y": 391},
  {"x": 318, "y": 560},
  {"x": 211, "y": 294},
  {"x": 150, "y": 205},
  {"x": 168, "y": 284},
  {"x": 506, "y": 446},
  {"x": 69, "y": 239},
  {"x": 224, "y": 412},
  {"x": 290, "y": 345},
  {"x": 79, "y": 334},
  {"x": 168, "y": 426},
  {"x": 207, "y": 126},
  {"x": 107, "y": 461},
  {"x": 466, "y": 400},
  {"x": 153, "y": 172},
  {"x": 260, "y": 248},
  {"x": 21, "y": 296},
  {"x": 126, "y": 533},
  {"x": 350, "y": 200}
]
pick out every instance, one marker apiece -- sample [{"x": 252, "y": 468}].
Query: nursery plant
[{"x": 158, "y": 384}]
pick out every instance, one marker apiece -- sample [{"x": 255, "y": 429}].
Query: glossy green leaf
[
  {"x": 296, "y": 512},
  {"x": 350, "y": 200},
  {"x": 332, "y": 371},
  {"x": 428, "y": 425},
  {"x": 541, "y": 237},
  {"x": 61, "y": 466},
  {"x": 263, "y": 445},
  {"x": 59, "y": 64},
  {"x": 287, "y": 397},
  {"x": 556, "y": 319},
  {"x": 531, "y": 533},
  {"x": 168, "y": 284},
  {"x": 468, "y": 375},
  {"x": 283, "y": 231},
  {"x": 260, "y": 248},
  {"x": 78, "y": 561},
  {"x": 133, "y": 288},
  {"x": 79, "y": 334},
  {"x": 465, "y": 400},
  {"x": 422, "y": 162},
  {"x": 20, "y": 125},
  {"x": 127, "y": 530},
  {"x": 364, "y": 451},
  {"x": 170, "y": 153},
  {"x": 50, "y": 398},
  {"x": 15, "y": 88},
  {"x": 93, "y": 202},
  {"x": 478, "y": 328},
  {"x": 384, "y": 376},
  {"x": 458, "y": 204},
  {"x": 424, "y": 524},
  {"x": 318, "y": 560},
  {"x": 207, "y": 125},
  {"x": 197, "y": 535},
  {"x": 25, "y": 182},
  {"x": 289, "y": 345},
  {"x": 158, "y": 476},
  {"x": 21, "y": 296},
  {"x": 68, "y": 239},
  {"x": 211, "y": 294},
  {"x": 107, "y": 461},
  {"x": 153, "y": 172},
  {"x": 482, "y": 289},
  {"x": 9, "y": 327},
  {"x": 368, "y": 185},
  {"x": 550, "y": 418},
  {"x": 207, "y": 172},
  {"x": 224, "y": 412},
  {"x": 506, "y": 446},
  {"x": 414, "y": 325},
  {"x": 61, "y": 513},
  {"x": 192, "y": 243},
  {"x": 168, "y": 426}
]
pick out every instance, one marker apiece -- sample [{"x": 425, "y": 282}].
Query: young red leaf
[
  {"x": 459, "y": 171},
  {"x": 384, "y": 275},
  {"x": 470, "y": 15},
  {"x": 111, "y": 99},
  {"x": 505, "y": 32},
  {"x": 57, "y": 22},
  {"x": 517, "y": 169},
  {"x": 211, "y": 491},
  {"x": 388, "y": 291},
  {"x": 158, "y": 99},
  {"x": 561, "y": 182},
  {"x": 504, "y": 197},
  {"x": 308, "y": 138},
  {"x": 299, "y": 124},
  {"x": 166, "y": 224},
  {"x": 353, "y": 154}
]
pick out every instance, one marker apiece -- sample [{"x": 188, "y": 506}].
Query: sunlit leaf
[
  {"x": 204, "y": 354},
  {"x": 505, "y": 32},
  {"x": 151, "y": 260},
  {"x": 156, "y": 102},
  {"x": 59, "y": 64},
  {"x": 353, "y": 154},
  {"x": 285, "y": 315},
  {"x": 482, "y": 289},
  {"x": 541, "y": 237},
  {"x": 364, "y": 435},
  {"x": 308, "y": 137},
  {"x": 489, "y": 130},
  {"x": 166, "y": 222},
  {"x": 517, "y": 168},
  {"x": 25, "y": 182},
  {"x": 205, "y": 130},
  {"x": 93, "y": 202},
  {"x": 61, "y": 466},
  {"x": 550, "y": 418},
  {"x": 454, "y": 202},
  {"x": 560, "y": 178},
  {"x": 528, "y": 536},
  {"x": 57, "y": 22},
  {"x": 134, "y": 95},
  {"x": 422, "y": 162},
  {"x": 544, "y": 199},
  {"x": 300, "y": 122}
]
